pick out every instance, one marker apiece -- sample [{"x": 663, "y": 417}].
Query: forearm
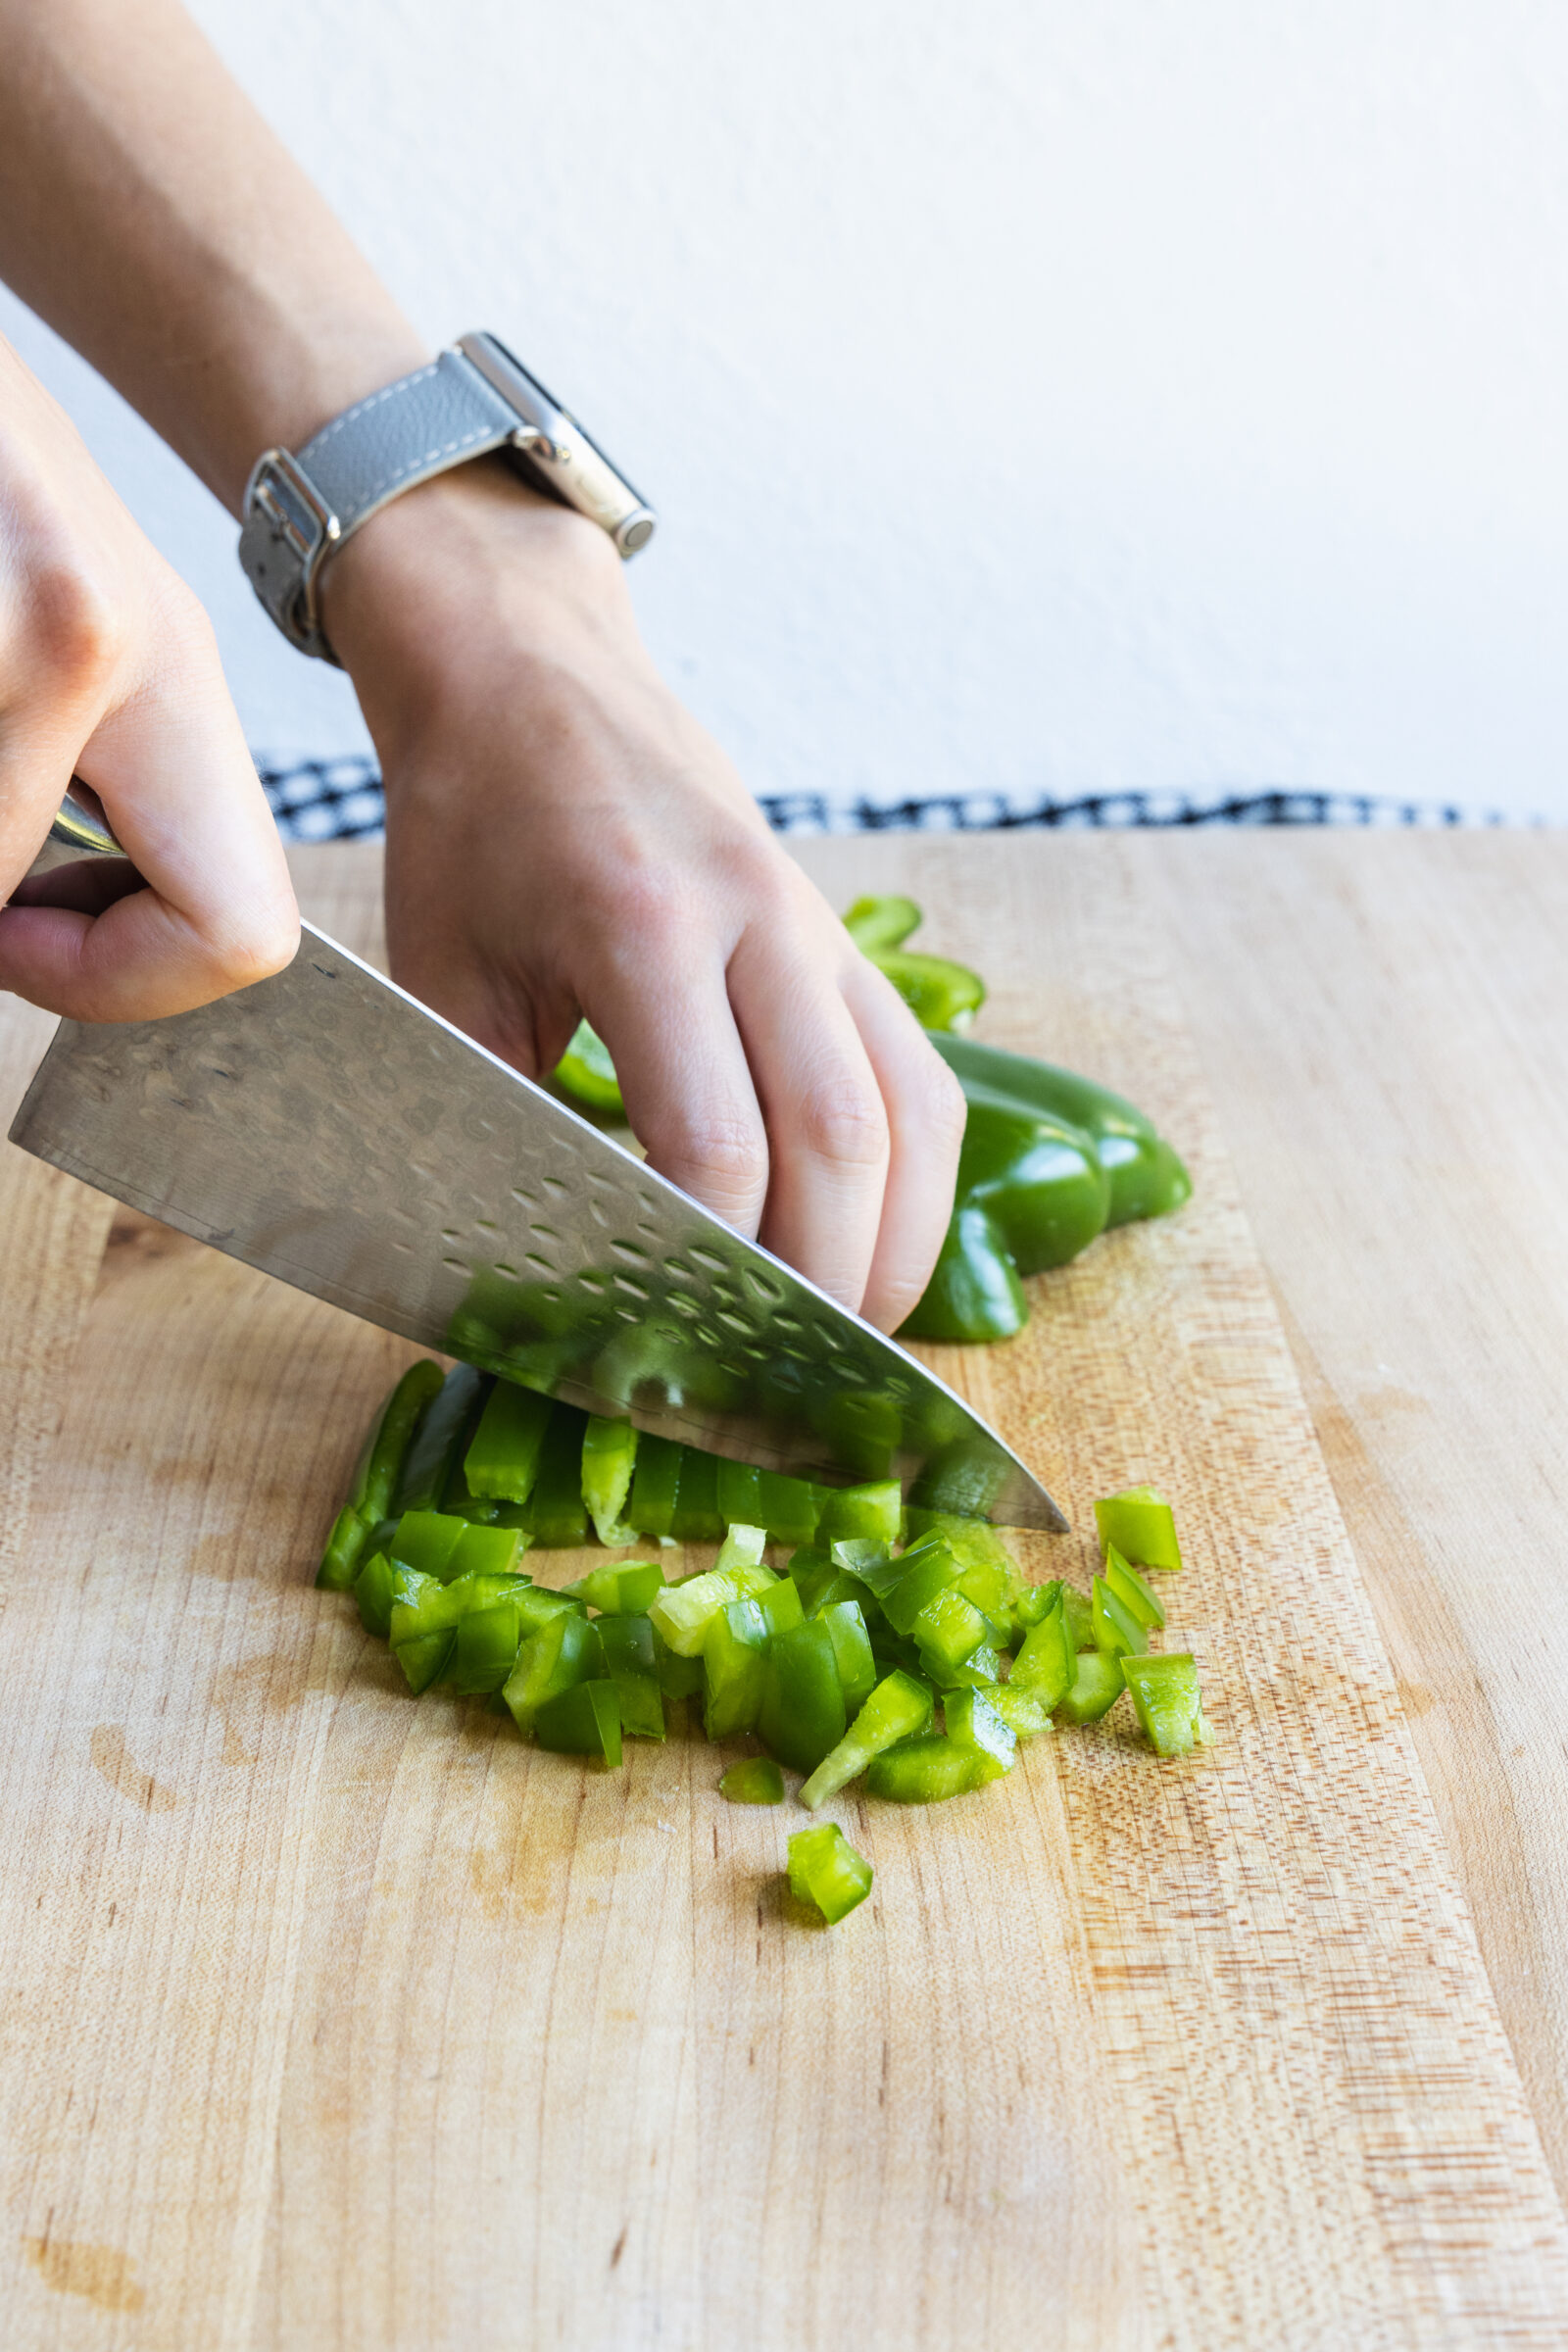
[{"x": 151, "y": 217}]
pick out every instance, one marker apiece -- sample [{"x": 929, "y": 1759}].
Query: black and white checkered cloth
[{"x": 340, "y": 799}]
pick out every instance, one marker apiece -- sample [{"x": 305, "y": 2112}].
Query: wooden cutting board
[{"x": 334, "y": 2019}]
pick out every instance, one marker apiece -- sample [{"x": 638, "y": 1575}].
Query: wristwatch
[{"x": 474, "y": 397}]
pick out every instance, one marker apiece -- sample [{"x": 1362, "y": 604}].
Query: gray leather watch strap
[{"x": 473, "y": 399}]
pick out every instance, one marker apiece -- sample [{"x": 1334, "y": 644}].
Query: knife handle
[{"x": 80, "y": 830}]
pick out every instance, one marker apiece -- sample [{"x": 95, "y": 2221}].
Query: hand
[
  {"x": 108, "y": 670},
  {"x": 562, "y": 839}
]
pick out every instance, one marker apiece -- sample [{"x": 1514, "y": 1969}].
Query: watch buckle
[{"x": 282, "y": 491}]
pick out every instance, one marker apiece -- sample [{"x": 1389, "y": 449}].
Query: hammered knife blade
[{"x": 325, "y": 1127}]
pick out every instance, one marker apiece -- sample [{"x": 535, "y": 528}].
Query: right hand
[{"x": 109, "y": 671}]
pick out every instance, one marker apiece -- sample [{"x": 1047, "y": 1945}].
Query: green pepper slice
[
  {"x": 929, "y": 1770},
  {"x": 1142, "y": 1526},
  {"x": 824, "y": 1869},
  {"x": 375, "y": 1476},
  {"x": 1096, "y": 1685},
  {"x": 652, "y": 1487},
  {"x": 632, "y": 1665},
  {"x": 609, "y": 1463},
  {"x": 754, "y": 1781},
  {"x": 584, "y": 1720},
  {"x": 899, "y": 1708},
  {"x": 1167, "y": 1701},
  {"x": 502, "y": 1458},
  {"x": 802, "y": 1714}
]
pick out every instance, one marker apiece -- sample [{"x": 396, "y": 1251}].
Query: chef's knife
[{"x": 327, "y": 1127}]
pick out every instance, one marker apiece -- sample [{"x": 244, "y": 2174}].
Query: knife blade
[{"x": 325, "y": 1127}]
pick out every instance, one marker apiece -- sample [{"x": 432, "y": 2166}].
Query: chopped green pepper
[
  {"x": 440, "y": 1441},
  {"x": 1167, "y": 1701},
  {"x": 870, "y": 1513},
  {"x": 940, "y": 994},
  {"x": 754, "y": 1781},
  {"x": 584, "y": 1720},
  {"x": 629, "y": 1588},
  {"x": 1046, "y": 1665},
  {"x": 683, "y": 1612},
  {"x": 696, "y": 1518},
  {"x": 1142, "y": 1526},
  {"x": 587, "y": 1074},
  {"x": 974, "y": 1722},
  {"x": 564, "y": 1651},
  {"x": 1096, "y": 1685},
  {"x": 896, "y": 1709},
  {"x": 824, "y": 1869},
  {"x": 1024, "y": 1712},
  {"x": 928, "y": 1770},
  {"x": 375, "y": 1476},
  {"x": 555, "y": 1507},
  {"x": 609, "y": 1460},
  {"x": 1118, "y": 1631},
  {"x": 631, "y": 1661},
  {"x": 653, "y": 1486},
  {"x": 802, "y": 1714},
  {"x": 735, "y": 1651},
  {"x": 852, "y": 1649},
  {"x": 503, "y": 1459},
  {"x": 373, "y": 1590},
  {"x": 1131, "y": 1590}
]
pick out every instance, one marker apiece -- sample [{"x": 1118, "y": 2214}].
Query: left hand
[{"x": 564, "y": 839}]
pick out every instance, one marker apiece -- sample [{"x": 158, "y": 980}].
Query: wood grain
[{"x": 336, "y": 2020}]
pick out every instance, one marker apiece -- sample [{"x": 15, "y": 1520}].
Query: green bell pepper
[
  {"x": 802, "y": 1714},
  {"x": 1167, "y": 1701},
  {"x": 825, "y": 1870},
  {"x": 609, "y": 1463},
  {"x": 941, "y": 995},
  {"x": 1142, "y": 1526},
  {"x": 583, "y": 1721},
  {"x": 754, "y": 1781},
  {"x": 375, "y": 1476},
  {"x": 899, "y": 1708},
  {"x": 928, "y": 1770},
  {"x": 631, "y": 1661}
]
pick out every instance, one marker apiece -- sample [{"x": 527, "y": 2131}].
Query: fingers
[
  {"x": 684, "y": 1079},
  {"x": 171, "y": 766},
  {"x": 108, "y": 669},
  {"x": 926, "y": 1112},
  {"x": 827, "y": 1125}
]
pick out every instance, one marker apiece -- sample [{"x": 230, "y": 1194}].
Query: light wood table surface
[{"x": 329, "y": 2021}]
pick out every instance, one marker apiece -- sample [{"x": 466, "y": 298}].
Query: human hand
[
  {"x": 108, "y": 671},
  {"x": 562, "y": 839}
]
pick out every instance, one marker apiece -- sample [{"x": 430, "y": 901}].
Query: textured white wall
[{"x": 1039, "y": 397}]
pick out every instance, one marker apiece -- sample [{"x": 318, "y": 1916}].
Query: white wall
[{"x": 1039, "y": 396}]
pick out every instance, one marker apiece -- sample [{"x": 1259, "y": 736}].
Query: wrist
[{"x": 470, "y": 571}]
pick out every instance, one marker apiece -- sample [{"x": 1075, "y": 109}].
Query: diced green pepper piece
[
  {"x": 929, "y": 1770},
  {"x": 896, "y": 1709},
  {"x": 501, "y": 1463},
  {"x": 375, "y": 1476},
  {"x": 1140, "y": 1523},
  {"x": 484, "y": 1551},
  {"x": 678, "y": 1677},
  {"x": 781, "y": 1607},
  {"x": 852, "y": 1651},
  {"x": 564, "y": 1651},
  {"x": 426, "y": 1541},
  {"x": 872, "y": 1513},
  {"x": 609, "y": 1461},
  {"x": 1097, "y": 1686},
  {"x": 487, "y": 1646},
  {"x": 629, "y": 1588},
  {"x": 803, "y": 1715},
  {"x": 439, "y": 1441},
  {"x": 978, "y": 1671},
  {"x": 949, "y": 1630},
  {"x": 734, "y": 1661},
  {"x": 1036, "y": 1602},
  {"x": 740, "y": 1495},
  {"x": 1131, "y": 1590},
  {"x": 1024, "y": 1712},
  {"x": 825, "y": 1870},
  {"x": 556, "y": 1504},
  {"x": 923, "y": 1571},
  {"x": 1080, "y": 1617},
  {"x": 790, "y": 1509},
  {"x": 1117, "y": 1632},
  {"x": 346, "y": 1547},
  {"x": 373, "y": 1590},
  {"x": 1167, "y": 1701},
  {"x": 632, "y": 1665},
  {"x": 683, "y": 1612},
  {"x": 811, "y": 1573},
  {"x": 697, "y": 1517},
  {"x": 754, "y": 1781},
  {"x": 537, "y": 1604},
  {"x": 653, "y": 1486},
  {"x": 424, "y": 1659},
  {"x": 584, "y": 1720},
  {"x": 941, "y": 994},
  {"x": 973, "y": 1721},
  {"x": 1046, "y": 1665}
]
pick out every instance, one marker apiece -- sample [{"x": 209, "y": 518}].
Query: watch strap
[{"x": 474, "y": 397}]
